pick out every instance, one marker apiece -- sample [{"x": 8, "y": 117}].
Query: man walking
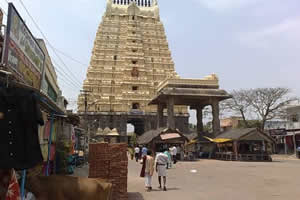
[
  {"x": 137, "y": 153},
  {"x": 169, "y": 164},
  {"x": 149, "y": 170},
  {"x": 144, "y": 151},
  {"x": 174, "y": 153},
  {"x": 161, "y": 162}
]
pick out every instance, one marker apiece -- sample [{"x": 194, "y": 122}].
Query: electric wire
[
  {"x": 67, "y": 82},
  {"x": 62, "y": 71},
  {"x": 47, "y": 41},
  {"x": 70, "y": 57},
  {"x": 64, "y": 74}
]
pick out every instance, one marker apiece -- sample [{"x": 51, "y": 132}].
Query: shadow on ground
[
  {"x": 168, "y": 189},
  {"x": 135, "y": 196}
]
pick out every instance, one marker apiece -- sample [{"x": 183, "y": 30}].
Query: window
[
  {"x": 133, "y": 32},
  {"x": 152, "y": 59},
  {"x": 134, "y": 62},
  {"x": 295, "y": 118},
  {"x": 133, "y": 41},
  {"x": 115, "y": 57},
  {"x": 135, "y": 106},
  {"x": 133, "y": 18},
  {"x": 134, "y": 50},
  {"x": 135, "y": 72},
  {"x": 111, "y": 98},
  {"x": 134, "y": 88}
]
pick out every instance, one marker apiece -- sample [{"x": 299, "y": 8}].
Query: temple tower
[{"x": 130, "y": 58}]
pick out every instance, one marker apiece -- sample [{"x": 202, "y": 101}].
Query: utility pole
[{"x": 85, "y": 117}]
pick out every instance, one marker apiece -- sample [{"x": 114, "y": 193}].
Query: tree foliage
[{"x": 265, "y": 103}]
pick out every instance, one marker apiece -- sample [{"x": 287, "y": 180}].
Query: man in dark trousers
[{"x": 137, "y": 153}]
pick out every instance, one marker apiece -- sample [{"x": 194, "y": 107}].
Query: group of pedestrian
[
  {"x": 139, "y": 153},
  {"x": 159, "y": 164}
]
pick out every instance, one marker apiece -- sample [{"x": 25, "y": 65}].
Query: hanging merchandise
[
  {"x": 4, "y": 182},
  {"x": 47, "y": 130},
  {"x": 44, "y": 149},
  {"x": 19, "y": 118},
  {"x": 13, "y": 192},
  {"x": 42, "y": 128},
  {"x": 9, "y": 186}
]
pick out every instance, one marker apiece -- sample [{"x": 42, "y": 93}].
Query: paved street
[{"x": 216, "y": 180}]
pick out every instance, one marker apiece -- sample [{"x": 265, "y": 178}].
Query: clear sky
[{"x": 247, "y": 43}]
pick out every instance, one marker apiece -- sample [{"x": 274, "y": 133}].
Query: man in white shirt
[
  {"x": 137, "y": 153},
  {"x": 161, "y": 161},
  {"x": 174, "y": 153}
]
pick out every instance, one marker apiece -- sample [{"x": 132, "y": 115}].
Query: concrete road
[{"x": 219, "y": 180}]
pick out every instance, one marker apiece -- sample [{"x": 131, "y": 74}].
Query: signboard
[{"x": 23, "y": 54}]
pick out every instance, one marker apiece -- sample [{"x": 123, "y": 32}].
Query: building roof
[
  {"x": 169, "y": 136},
  {"x": 237, "y": 134},
  {"x": 189, "y": 96},
  {"x": 149, "y": 135},
  {"x": 164, "y": 133},
  {"x": 191, "y": 136}
]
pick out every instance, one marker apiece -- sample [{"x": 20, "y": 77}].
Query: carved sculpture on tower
[{"x": 130, "y": 58}]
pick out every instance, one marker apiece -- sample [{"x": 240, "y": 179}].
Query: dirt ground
[{"x": 219, "y": 180}]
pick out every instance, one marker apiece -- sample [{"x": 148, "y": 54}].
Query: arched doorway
[{"x": 139, "y": 125}]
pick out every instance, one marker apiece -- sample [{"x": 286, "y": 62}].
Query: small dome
[
  {"x": 114, "y": 132},
  {"x": 106, "y": 131},
  {"x": 99, "y": 131}
]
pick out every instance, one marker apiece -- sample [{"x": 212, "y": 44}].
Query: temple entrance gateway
[
  {"x": 139, "y": 125},
  {"x": 124, "y": 72}
]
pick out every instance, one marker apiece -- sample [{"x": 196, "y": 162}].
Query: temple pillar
[
  {"x": 147, "y": 124},
  {"x": 171, "y": 119},
  {"x": 160, "y": 115},
  {"x": 200, "y": 126},
  {"x": 236, "y": 149},
  {"x": 216, "y": 117}
]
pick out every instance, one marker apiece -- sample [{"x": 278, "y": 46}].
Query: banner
[{"x": 23, "y": 54}]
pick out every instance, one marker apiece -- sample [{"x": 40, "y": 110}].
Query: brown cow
[{"x": 68, "y": 188}]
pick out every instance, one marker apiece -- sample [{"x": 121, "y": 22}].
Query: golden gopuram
[{"x": 130, "y": 59}]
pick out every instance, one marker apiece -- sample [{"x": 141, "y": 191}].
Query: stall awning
[
  {"x": 192, "y": 142},
  {"x": 169, "y": 136},
  {"x": 218, "y": 140}
]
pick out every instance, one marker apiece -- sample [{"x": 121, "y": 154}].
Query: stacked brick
[{"x": 110, "y": 162}]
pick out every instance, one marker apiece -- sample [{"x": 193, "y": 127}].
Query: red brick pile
[{"x": 110, "y": 162}]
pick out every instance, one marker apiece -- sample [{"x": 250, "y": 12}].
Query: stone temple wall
[{"x": 142, "y": 123}]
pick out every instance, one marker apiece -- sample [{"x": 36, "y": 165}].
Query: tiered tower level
[{"x": 130, "y": 58}]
